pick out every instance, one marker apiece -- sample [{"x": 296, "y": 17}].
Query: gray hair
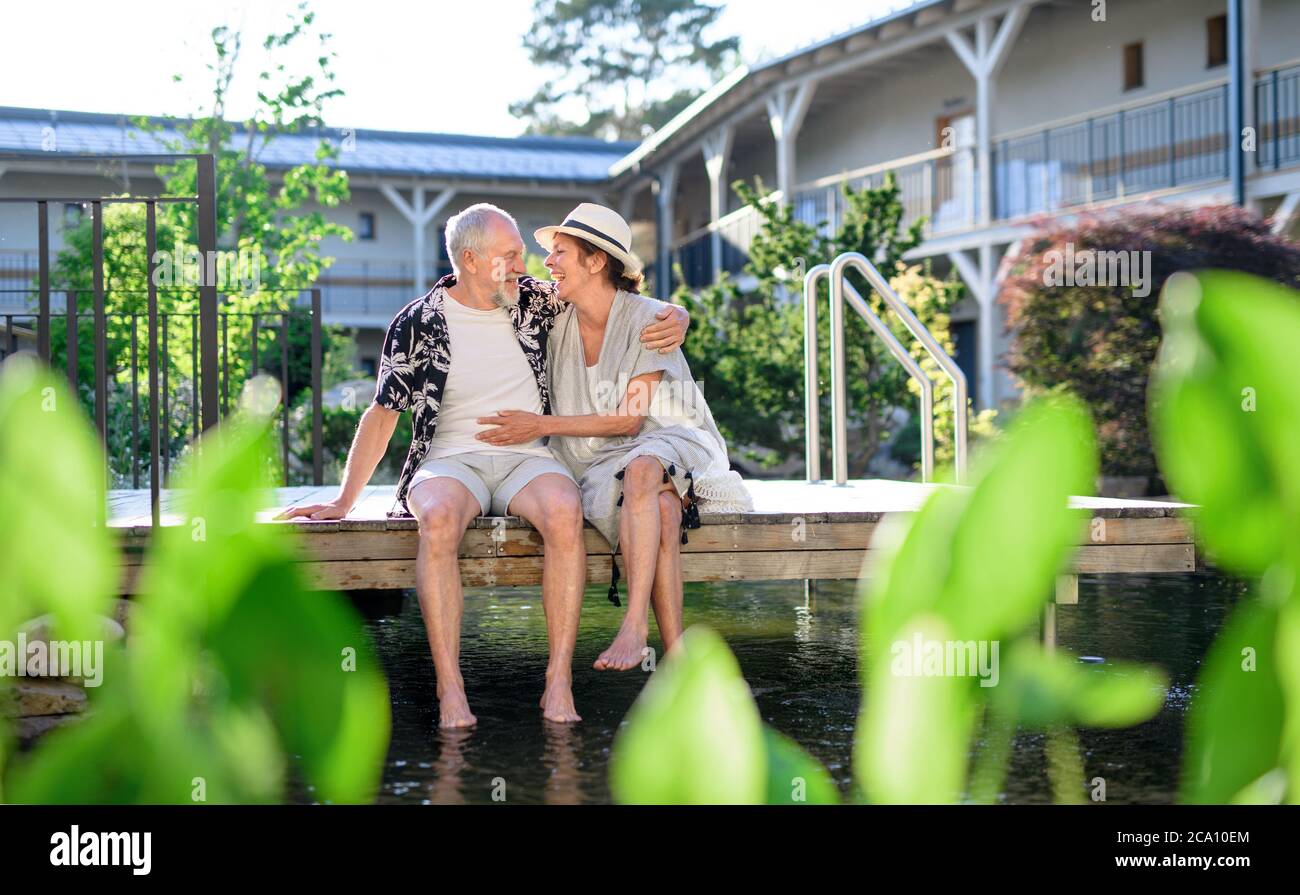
[{"x": 469, "y": 230}]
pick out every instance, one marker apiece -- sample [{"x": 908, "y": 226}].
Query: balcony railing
[
  {"x": 352, "y": 291},
  {"x": 1172, "y": 142},
  {"x": 1176, "y": 141},
  {"x": 1277, "y": 105}
]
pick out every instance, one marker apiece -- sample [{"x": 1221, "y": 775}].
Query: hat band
[{"x": 579, "y": 225}]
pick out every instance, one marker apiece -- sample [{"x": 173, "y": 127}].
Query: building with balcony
[
  {"x": 990, "y": 113},
  {"x": 404, "y": 186}
]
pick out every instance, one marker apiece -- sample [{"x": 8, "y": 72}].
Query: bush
[{"x": 1100, "y": 341}]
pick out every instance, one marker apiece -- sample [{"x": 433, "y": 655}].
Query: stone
[
  {"x": 28, "y": 697},
  {"x": 39, "y": 628},
  {"x": 29, "y": 729}
]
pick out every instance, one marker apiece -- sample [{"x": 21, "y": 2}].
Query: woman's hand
[{"x": 512, "y": 427}]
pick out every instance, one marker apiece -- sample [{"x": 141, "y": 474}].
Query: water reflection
[{"x": 799, "y": 654}]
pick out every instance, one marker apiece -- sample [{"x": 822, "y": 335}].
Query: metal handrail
[
  {"x": 837, "y": 271},
  {"x": 812, "y": 412}
]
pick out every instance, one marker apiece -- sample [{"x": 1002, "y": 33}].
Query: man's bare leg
[
  {"x": 639, "y": 534},
  {"x": 552, "y": 504},
  {"x": 666, "y": 597},
  {"x": 444, "y": 508}
]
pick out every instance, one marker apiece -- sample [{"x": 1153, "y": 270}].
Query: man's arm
[
  {"x": 669, "y": 334},
  {"x": 664, "y": 337},
  {"x": 368, "y": 447}
]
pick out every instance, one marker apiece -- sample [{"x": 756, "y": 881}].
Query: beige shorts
[{"x": 493, "y": 477}]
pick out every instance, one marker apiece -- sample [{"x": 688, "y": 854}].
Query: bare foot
[
  {"x": 557, "y": 703},
  {"x": 626, "y": 652},
  {"x": 453, "y": 711}
]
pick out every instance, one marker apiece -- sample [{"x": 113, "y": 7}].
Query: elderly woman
[{"x": 630, "y": 424}]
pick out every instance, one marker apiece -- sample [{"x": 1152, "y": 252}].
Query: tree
[
  {"x": 268, "y": 243},
  {"x": 748, "y": 347},
  {"x": 609, "y": 55},
  {"x": 1098, "y": 339}
]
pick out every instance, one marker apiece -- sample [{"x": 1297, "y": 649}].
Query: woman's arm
[{"x": 518, "y": 426}]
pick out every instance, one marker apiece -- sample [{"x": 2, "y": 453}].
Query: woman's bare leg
[
  {"x": 638, "y": 533},
  {"x": 666, "y": 596}
]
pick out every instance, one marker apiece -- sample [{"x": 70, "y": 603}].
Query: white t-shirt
[{"x": 488, "y": 373}]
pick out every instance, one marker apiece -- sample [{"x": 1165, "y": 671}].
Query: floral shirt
[{"x": 417, "y": 357}]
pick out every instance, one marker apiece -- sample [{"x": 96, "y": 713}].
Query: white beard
[{"x": 503, "y": 299}]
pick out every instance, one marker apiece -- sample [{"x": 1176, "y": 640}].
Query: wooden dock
[{"x": 797, "y": 531}]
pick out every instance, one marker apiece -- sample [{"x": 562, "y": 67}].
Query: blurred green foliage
[
  {"x": 1225, "y": 412},
  {"x": 233, "y": 664},
  {"x": 694, "y": 734}
]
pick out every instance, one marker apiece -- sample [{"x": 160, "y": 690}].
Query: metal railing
[
  {"x": 377, "y": 289},
  {"x": 1171, "y": 142},
  {"x": 1180, "y": 139},
  {"x": 207, "y": 381},
  {"x": 1277, "y": 112},
  {"x": 837, "y": 273},
  {"x": 938, "y": 187}
]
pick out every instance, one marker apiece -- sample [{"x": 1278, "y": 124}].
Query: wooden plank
[
  {"x": 1162, "y": 530},
  {"x": 510, "y": 571},
  {"x": 1126, "y": 558}
]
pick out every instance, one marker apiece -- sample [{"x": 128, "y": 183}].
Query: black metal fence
[{"x": 206, "y": 394}]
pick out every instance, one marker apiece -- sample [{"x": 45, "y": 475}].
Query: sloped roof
[{"x": 450, "y": 156}]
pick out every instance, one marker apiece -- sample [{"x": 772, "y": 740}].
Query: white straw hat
[{"x": 602, "y": 227}]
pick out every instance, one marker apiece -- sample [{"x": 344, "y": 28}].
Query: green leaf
[
  {"x": 1016, "y": 533},
  {"x": 56, "y": 553},
  {"x": 914, "y": 731},
  {"x": 1225, "y": 410},
  {"x": 1235, "y": 723},
  {"x": 974, "y": 566},
  {"x": 793, "y": 776},
  {"x": 694, "y": 735},
  {"x": 1052, "y": 689}
]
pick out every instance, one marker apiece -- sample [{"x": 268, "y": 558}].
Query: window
[
  {"x": 368, "y": 366},
  {"x": 1216, "y": 41},
  {"x": 1133, "y": 74},
  {"x": 366, "y": 227},
  {"x": 72, "y": 213}
]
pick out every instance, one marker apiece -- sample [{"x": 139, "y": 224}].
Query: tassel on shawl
[{"x": 613, "y": 582}]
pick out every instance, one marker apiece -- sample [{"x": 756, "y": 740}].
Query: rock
[
  {"x": 39, "y": 628},
  {"x": 29, "y": 729},
  {"x": 28, "y": 697}
]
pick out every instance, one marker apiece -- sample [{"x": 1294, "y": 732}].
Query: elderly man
[{"x": 474, "y": 344}]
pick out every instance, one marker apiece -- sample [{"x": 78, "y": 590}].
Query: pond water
[{"x": 800, "y": 660}]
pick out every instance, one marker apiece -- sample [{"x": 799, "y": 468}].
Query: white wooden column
[
  {"x": 983, "y": 277},
  {"x": 666, "y": 208},
  {"x": 717, "y": 153},
  {"x": 786, "y": 109},
  {"x": 1286, "y": 213},
  {"x": 984, "y": 61},
  {"x": 418, "y": 214}
]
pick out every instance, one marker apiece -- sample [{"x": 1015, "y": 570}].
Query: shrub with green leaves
[
  {"x": 1100, "y": 341},
  {"x": 746, "y": 347}
]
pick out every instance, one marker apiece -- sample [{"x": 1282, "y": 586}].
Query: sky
[{"x": 432, "y": 65}]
